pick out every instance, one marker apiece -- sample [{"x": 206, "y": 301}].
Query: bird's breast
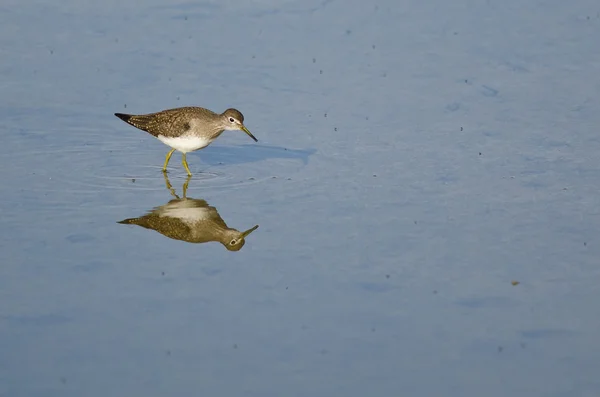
[{"x": 185, "y": 144}]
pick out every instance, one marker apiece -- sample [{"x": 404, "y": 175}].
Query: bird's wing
[{"x": 168, "y": 123}]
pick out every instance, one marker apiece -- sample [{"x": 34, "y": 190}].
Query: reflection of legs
[
  {"x": 185, "y": 186},
  {"x": 167, "y": 159},
  {"x": 184, "y": 162},
  {"x": 168, "y": 183}
]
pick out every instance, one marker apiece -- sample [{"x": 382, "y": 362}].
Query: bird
[{"x": 187, "y": 129}]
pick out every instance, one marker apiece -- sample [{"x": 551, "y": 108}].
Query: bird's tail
[
  {"x": 141, "y": 121},
  {"x": 130, "y": 221}
]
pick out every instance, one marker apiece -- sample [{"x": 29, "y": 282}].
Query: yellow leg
[
  {"x": 184, "y": 162},
  {"x": 167, "y": 159}
]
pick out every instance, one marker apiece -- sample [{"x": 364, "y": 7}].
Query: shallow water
[{"x": 425, "y": 185}]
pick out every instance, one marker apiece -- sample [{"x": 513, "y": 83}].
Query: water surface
[{"x": 425, "y": 185}]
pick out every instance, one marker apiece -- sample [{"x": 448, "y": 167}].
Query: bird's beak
[
  {"x": 247, "y": 232},
  {"x": 251, "y": 136}
]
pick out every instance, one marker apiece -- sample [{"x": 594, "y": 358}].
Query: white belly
[{"x": 185, "y": 144}]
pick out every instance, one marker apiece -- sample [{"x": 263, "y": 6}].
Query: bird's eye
[
  {"x": 231, "y": 120},
  {"x": 232, "y": 242}
]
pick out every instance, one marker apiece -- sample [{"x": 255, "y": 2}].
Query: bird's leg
[
  {"x": 185, "y": 165},
  {"x": 167, "y": 160}
]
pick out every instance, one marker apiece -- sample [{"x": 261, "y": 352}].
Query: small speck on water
[
  {"x": 253, "y": 56},
  {"x": 466, "y": 81},
  {"x": 163, "y": 273},
  {"x": 374, "y": 175},
  {"x": 51, "y": 52},
  {"x": 500, "y": 348},
  {"x": 435, "y": 291},
  {"x": 523, "y": 345},
  {"x": 385, "y": 75},
  {"x": 169, "y": 79},
  {"x": 367, "y": 118},
  {"x": 116, "y": 40},
  {"x": 168, "y": 352},
  {"x": 324, "y": 351},
  {"x": 325, "y": 114},
  {"x": 373, "y": 46},
  {"x": 415, "y": 222},
  {"x": 480, "y": 153},
  {"x": 177, "y": 98},
  {"x": 251, "y": 179},
  {"x": 321, "y": 71},
  {"x": 515, "y": 283},
  {"x": 185, "y": 18},
  {"x": 314, "y": 60},
  {"x": 132, "y": 180},
  {"x": 335, "y": 128},
  {"x": 289, "y": 179},
  {"x": 461, "y": 128},
  {"x": 125, "y": 106},
  {"x": 235, "y": 346},
  {"x": 584, "y": 244},
  {"x": 63, "y": 380},
  {"x": 372, "y": 329},
  {"x": 387, "y": 276},
  {"x": 273, "y": 177}
]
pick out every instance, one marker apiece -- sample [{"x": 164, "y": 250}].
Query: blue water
[{"x": 426, "y": 185}]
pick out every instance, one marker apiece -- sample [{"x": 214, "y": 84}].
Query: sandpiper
[{"x": 187, "y": 129}]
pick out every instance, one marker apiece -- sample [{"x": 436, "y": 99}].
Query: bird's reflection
[{"x": 191, "y": 220}]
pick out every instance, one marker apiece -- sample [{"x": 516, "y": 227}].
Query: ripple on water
[{"x": 100, "y": 164}]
